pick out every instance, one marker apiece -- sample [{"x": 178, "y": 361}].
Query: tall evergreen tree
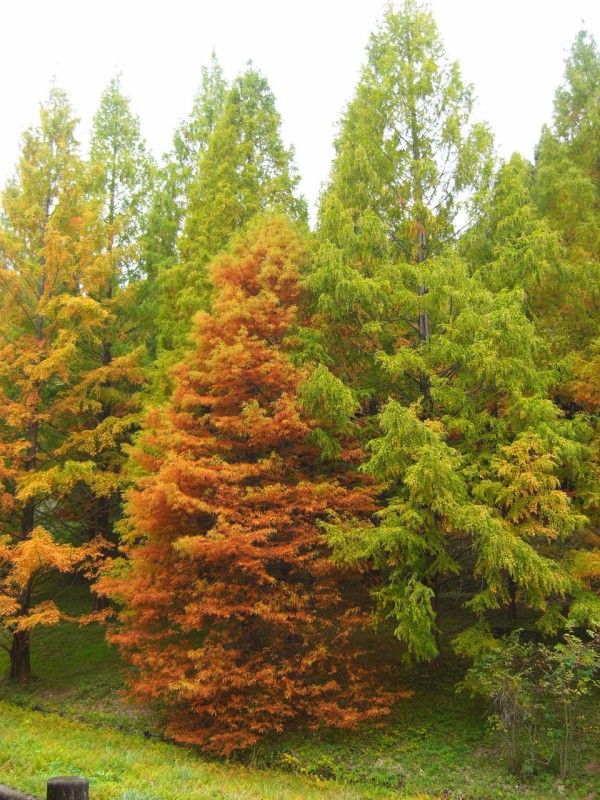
[
  {"x": 121, "y": 176},
  {"x": 246, "y": 170},
  {"x": 107, "y": 399},
  {"x": 44, "y": 251},
  {"x": 191, "y": 138},
  {"x": 567, "y": 189},
  {"x": 514, "y": 247},
  {"x": 567, "y": 184},
  {"x": 408, "y": 173},
  {"x": 407, "y": 317},
  {"x": 171, "y": 196},
  {"x": 475, "y": 495}
]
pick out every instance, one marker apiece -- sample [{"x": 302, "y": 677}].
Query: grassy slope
[
  {"x": 124, "y": 766},
  {"x": 434, "y": 744}
]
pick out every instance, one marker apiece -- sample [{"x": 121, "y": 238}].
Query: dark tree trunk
[
  {"x": 435, "y": 604},
  {"x": 512, "y": 591},
  {"x": 103, "y": 527},
  {"x": 101, "y": 601},
  {"x": 20, "y": 662},
  {"x": 425, "y": 389}
]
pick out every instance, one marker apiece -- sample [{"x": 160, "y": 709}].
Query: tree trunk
[
  {"x": 512, "y": 591},
  {"x": 102, "y": 528},
  {"x": 20, "y": 662},
  {"x": 421, "y": 256},
  {"x": 421, "y": 222},
  {"x": 425, "y": 389},
  {"x": 438, "y": 660}
]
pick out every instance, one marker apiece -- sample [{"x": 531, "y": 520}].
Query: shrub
[{"x": 537, "y": 696}]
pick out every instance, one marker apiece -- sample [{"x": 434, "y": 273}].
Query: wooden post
[{"x": 68, "y": 789}]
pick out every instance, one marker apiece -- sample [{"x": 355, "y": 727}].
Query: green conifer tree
[
  {"x": 567, "y": 190},
  {"x": 111, "y": 358},
  {"x": 171, "y": 196},
  {"x": 453, "y": 344},
  {"x": 408, "y": 174},
  {"x": 567, "y": 185},
  {"x": 245, "y": 170}
]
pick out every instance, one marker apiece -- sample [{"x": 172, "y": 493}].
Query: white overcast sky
[{"x": 513, "y": 51}]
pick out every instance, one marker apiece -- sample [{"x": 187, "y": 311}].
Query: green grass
[
  {"x": 75, "y": 672},
  {"x": 123, "y": 766},
  {"x": 434, "y": 744}
]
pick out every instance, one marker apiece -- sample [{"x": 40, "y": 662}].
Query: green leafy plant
[
  {"x": 537, "y": 696},
  {"x": 572, "y": 672},
  {"x": 506, "y": 678}
]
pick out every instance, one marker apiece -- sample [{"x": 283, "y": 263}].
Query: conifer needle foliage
[
  {"x": 45, "y": 254},
  {"x": 287, "y": 433},
  {"x": 234, "y": 614}
]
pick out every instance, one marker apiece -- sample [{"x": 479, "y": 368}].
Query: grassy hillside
[
  {"x": 123, "y": 766},
  {"x": 73, "y": 719}
]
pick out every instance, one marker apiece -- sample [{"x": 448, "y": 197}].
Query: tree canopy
[{"x": 281, "y": 457}]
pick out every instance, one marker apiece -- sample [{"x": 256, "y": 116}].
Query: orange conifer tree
[{"x": 234, "y": 614}]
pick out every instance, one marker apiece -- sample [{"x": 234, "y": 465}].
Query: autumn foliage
[
  {"x": 234, "y": 614},
  {"x": 44, "y": 255},
  {"x": 395, "y": 416}
]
